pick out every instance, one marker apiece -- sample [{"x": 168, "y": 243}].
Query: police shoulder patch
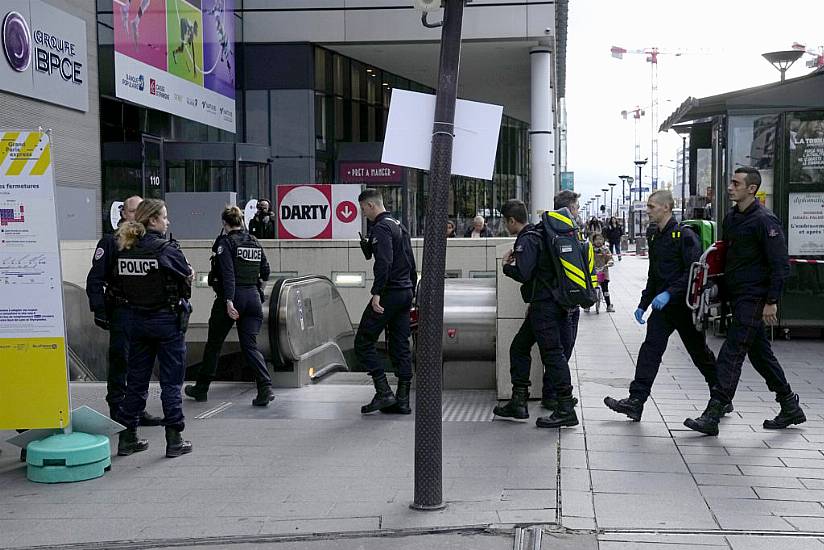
[
  {"x": 99, "y": 253},
  {"x": 519, "y": 248},
  {"x": 220, "y": 249},
  {"x": 773, "y": 232}
]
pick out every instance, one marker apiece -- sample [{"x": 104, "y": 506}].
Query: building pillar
[{"x": 541, "y": 137}]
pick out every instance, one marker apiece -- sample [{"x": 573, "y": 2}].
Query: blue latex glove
[
  {"x": 661, "y": 300},
  {"x": 639, "y": 316}
]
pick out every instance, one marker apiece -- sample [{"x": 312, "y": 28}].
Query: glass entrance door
[{"x": 153, "y": 180}]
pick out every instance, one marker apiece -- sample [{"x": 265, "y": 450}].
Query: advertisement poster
[
  {"x": 177, "y": 56},
  {"x": 805, "y": 229},
  {"x": 34, "y": 390},
  {"x": 806, "y": 151}
]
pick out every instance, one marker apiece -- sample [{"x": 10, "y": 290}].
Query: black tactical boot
[
  {"x": 402, "y": 398},
  {"x": 790, "y": 414},
  {"x": 564, "y": 415},
  {"x": 129, "y": 443},
  {"x": 175, "y": 444},
  {"x": 707, "y": 423},
  {"x": 197, "y": 391},
  {"x": 384, "y": 398},
  {"x": 631, "y": 406},
  {"x": 264, "y": 396},
  {"x": 147, "y": 419},
  {"x": 551, "y": 403},
  {"x": 515, "y": 407}
]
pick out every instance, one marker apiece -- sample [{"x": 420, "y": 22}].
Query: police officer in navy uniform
[
  {"x": 527, "y": 263},
  {"x": 156, "y": 280},
  {"x": 756, "y": 266},
  {"x": 239, "y": 270},
  {"x": 672, "y": 251},
  {"x": 108, "y": 304},
  {"x": 388, "y": 309}
]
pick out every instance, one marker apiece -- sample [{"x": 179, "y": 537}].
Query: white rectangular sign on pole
[
  {"x": 34, "y": 387},
  {"x": 408, "y": 140}
]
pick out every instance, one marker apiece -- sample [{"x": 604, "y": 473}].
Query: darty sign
[{"x": 319, "y": 211}]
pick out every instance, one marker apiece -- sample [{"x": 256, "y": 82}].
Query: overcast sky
[{"x": 732, "y": 33}]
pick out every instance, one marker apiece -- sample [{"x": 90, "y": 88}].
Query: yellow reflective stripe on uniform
[
  {"x": 591, "y": 259},
  {"x": 5, "y": 145},
  {"x": 562, "y": 218},
  {"x": 575, "y": 279},
  {"x": 43, "y": 162},
  {"x": 569, "y": 267},
  {"x": 24, "y": 156}
]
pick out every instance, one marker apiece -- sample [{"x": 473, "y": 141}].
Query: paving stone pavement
[{"x": 311, "y": 472}]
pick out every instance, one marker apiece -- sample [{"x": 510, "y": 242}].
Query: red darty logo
[{"x": 304, "y": 211}]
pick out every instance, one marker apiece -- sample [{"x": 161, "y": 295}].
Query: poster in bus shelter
[
  {"x": 807, "y": 150},
  {"x": 177, "y": 56},
  {"x": 805, "y": 226}
]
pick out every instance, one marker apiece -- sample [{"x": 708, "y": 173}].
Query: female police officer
[
  {"x": 156, "y": 281},
  {"x": 241, "y": 266}
]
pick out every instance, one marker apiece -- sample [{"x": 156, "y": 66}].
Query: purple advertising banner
[
  {"x": 219, "y": 46},
  {"x": 369, "y": 172}
]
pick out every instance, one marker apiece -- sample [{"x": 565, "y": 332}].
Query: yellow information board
[{"x": 34, "y": 386}]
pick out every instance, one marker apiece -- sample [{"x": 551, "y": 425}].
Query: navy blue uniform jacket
[
  {"x": 525, "y": 270},
  {"x": 101, "y": 275},
  {"x": 225, "y": 252},
  {"x": 394, "y": 262},
  {"x": 757, "y": 260},
  {"x": 671, "y": 253}
]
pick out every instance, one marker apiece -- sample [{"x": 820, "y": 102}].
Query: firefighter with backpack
[
  {"x": 672, "y": 250},
  {"x": 555, "y": 267}
]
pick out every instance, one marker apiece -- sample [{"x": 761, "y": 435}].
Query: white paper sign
[
  {"x": 408, "y": 139},
  {"x": 805, "y": 228}
]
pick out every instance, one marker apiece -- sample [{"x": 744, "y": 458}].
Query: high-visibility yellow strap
[
  {"x": 24, "y": 156},
  {"x": 562, "y": 218},
  {"x": 572, "y": 268},
  {"x": 5, "y": 145},
  {"x": 43, "y": 162},
  {"x": 575, "y": 279},
  {"x": 591, "y": 255}
]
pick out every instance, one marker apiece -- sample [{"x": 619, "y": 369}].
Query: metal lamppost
[
  {"x": 640, "y": 164},
  {"x": 428, "y": 399},
  {"x": 624, "y": 181},
  {"x": 684, "y": 132},
  {"x": 783, "y": 60},
  {"x": 604, "y": 190},
  {"x": 611, "y": 187}
]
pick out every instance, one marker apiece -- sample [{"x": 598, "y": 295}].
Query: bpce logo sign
[
  {"x": 52, "y": 54},
  {"x": 16, "y": 41}
]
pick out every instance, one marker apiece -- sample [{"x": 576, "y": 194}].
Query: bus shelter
[{"x": 779, "y": 129}]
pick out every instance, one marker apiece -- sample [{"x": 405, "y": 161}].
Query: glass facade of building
[{"x": 302, "y": 111}]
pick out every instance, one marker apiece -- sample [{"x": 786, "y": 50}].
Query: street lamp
[
  {"x": 611, "y": 187},
  {"x": 783, "y": 60},
  {"x": 605, "y": 199},
  {"x": 640, "y": 164},
  {"x": 684, "y": 132},
  {"x": 624, "y": 181}
]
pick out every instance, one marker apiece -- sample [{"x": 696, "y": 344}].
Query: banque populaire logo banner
[{"x": 178, "y": 57}]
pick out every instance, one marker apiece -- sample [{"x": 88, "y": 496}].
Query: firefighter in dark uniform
[
  {"x": 672, "y": 251},
  {"x": 108, "y": 304},
  {"x": 545, "y": 320},
  {"x": 392, "y": 293},
  {"x": 156, "y": 280},
  {"x": 756, "y": 266},
  {"x": 238, "y": 271}
]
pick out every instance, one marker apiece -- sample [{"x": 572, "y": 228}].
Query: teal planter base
[{"x": 65, "y": 458}]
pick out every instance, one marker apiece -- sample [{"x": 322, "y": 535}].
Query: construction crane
[
  {"x": 637, "y": 113},
  {"x": 818, "y": 55},
  {"x": 652, "y": 58}
]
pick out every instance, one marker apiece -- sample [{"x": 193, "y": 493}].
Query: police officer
[
  {"x": 672, "y": 251},
  {"x": 544, "y": 323},
  {"x": 239, "y": 269},
  {"x": 108, "y": 304},
  {"x": 756, "y": 266},
  {"x": 388, "y": 309},
  {"x": 156, "y": 281}
]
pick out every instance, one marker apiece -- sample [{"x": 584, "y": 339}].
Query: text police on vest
[
  {"x": 132, "y": 266},
  {"x": 249, "y": 254},
  {"x": 303, "y": 211}
]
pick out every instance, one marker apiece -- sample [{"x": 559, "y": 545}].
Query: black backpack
[{"x": 572, "y": 260}]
